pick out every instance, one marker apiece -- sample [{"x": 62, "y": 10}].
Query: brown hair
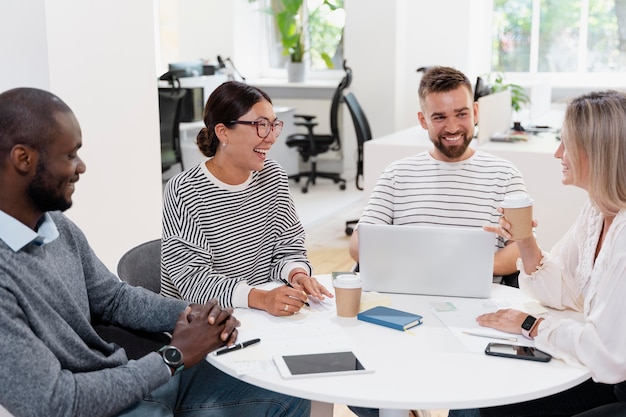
[
  {"x": 440, "y": 79},
  {"x": 594, "y": 124},
  {"x": 229, "y": 101}
]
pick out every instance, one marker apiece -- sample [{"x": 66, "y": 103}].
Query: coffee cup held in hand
[
  {"x": 518, "y": 211},
  {"x": 348, "y": 294}
]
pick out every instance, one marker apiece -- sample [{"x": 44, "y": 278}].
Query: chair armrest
[
  {"x": 309, "y": 127},
  {"x": 307, "y": 124},
  {"x": 306, "y": 117}
]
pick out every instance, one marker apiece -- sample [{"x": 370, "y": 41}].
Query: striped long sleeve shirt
[
  {"x": 217, "y": 237},
  {"x": 420, "y": 190}
]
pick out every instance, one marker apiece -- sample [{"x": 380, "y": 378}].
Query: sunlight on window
[
  {"x": 326, "y": 22},
  {"x": 323, "y": 21},
  {"x": 559, "y": 36}
]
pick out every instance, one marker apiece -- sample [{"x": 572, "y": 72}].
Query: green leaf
[
  {"x": 327, "y": 60},
  {"x": 292, "y": 6}
]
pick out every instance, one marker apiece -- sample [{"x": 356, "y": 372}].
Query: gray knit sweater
[{"x": 53, "y": 362}]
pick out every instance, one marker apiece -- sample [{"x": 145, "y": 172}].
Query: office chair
[
  {"x": 310, "y": 144},
  {"x": 140, "y": 266},
  {"x": 363, "y": 134},
  {"x": 170, "y": 104}
]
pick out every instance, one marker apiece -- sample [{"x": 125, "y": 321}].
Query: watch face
[
  {"x": 528, "y": 323},
  {"x": 172, "y": 356}
]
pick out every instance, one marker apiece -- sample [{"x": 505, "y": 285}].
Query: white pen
[{"x": 491, "y": 336}]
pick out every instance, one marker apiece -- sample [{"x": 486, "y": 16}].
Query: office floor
[{"x": 323, "y": 212}]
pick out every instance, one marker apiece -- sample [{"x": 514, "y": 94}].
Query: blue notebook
[{"x": 390, "y": 317}]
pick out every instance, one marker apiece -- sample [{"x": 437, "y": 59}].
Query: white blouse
[{"x": 569, "y": 279}]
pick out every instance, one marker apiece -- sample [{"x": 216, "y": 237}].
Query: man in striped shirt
[{"x": 452, "y": 184}]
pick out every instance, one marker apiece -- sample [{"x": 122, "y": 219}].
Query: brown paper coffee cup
[
  {"x": 348, "y": 295},
  {"x": 518, "y": 211}
]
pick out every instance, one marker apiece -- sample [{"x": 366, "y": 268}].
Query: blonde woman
[{"x": 585, "y": 271}]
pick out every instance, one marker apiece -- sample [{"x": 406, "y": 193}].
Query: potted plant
[
  {"x": 294, "y": 34},
  {"x": 518, "y": 94},
  {"x": 289, "y": 22}
]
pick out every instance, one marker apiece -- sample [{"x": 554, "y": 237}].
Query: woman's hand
[
  {"x": 528, "y": 248},
  {"x": 281, "y": 301},
  {"x": 504, "y": 227},
  {"x": 310, "y": 286},
  {"x": 507, "y": 320}
]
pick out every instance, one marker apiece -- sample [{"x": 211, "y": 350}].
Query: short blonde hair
[{"x": 595, "y": 124}]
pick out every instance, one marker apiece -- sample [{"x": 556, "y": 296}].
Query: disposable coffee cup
[
  {"x": 518, "y": 211},
  {"x": 348, "y": 289}
]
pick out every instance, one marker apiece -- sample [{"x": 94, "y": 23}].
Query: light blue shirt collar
[{"x": 17, "y": 235}]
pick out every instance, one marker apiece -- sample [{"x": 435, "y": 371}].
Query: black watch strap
[{"x": 528, "y": 325}]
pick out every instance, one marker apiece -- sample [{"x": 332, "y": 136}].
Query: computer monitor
[
  {"x": 190, "y": 68},
  {"x": 494, "y": 114},
  {"x": 481, "y": 89}
]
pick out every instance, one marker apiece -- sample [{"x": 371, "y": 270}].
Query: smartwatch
[
  {"x": 528, "y": 325},
  {"x": 173, "y": 357}
]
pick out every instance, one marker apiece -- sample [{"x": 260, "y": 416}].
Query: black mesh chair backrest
[
  {"x": 170, "y": 104},
  {"x": 334, "y": 106},
  {"x": 362, "y": 130}
]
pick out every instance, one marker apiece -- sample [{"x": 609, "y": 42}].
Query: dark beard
[
  {"x": 42, "y": 192},
  {"x": 453, "y": 152}
]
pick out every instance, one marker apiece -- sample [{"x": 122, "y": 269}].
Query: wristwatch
[
  {"x": 528, "y": 325},
  {"x": 173, "y": 357}
]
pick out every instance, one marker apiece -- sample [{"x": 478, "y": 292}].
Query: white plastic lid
[
  {"x": 347, "y": 281},
  {"x": 517, "y": 200}
]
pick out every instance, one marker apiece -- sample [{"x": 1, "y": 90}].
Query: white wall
[
  {"x": 99, "y": 57},
  {"x": 23, "y": 24},
  {"x": 229, "y": 28},
  {"x": 386, "y": 45},
  {"x": 203, "y": 32}
]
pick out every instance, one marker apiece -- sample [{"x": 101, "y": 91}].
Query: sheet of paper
[
  {"x": 287, "y": 335},
  {"x": 284, "y": 335},
  {"x": 459, "y": 316}
]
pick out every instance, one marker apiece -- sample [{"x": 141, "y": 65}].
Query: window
[
  {"x": 559, "y": 36},
  {"x": 323, "y": 22}
]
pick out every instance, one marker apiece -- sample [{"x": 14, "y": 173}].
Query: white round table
[{"x": 428, "y": 368}]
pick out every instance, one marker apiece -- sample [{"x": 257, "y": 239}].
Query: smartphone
[
  {"x": 320, "y": 364},
  {"x": 517, "y": 352}
]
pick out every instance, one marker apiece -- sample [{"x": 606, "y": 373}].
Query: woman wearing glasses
[{"x": 229, "y": 224}]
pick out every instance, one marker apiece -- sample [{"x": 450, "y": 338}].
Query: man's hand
[{"x": 202, "y": 329}]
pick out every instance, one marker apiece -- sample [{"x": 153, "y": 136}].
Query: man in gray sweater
[{"x": 53, "y": 289}]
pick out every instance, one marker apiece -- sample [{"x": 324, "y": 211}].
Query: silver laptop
[{"x": 446, "y": 261}]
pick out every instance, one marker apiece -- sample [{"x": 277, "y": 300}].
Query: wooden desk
[
  {"x": 428, "y": 369},
  {"x": 556, "y": 206}
]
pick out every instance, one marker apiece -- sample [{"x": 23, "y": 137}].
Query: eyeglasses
[{"x": 263, "y": 126}]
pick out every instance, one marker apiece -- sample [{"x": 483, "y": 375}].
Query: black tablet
[{"x": 320, "y": 364}]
